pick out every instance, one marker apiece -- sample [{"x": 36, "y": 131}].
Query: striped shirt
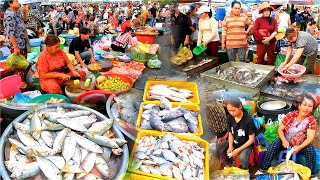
[
  {"x": 123, "y": 40},
  {"x": 289, "y": 119},
  {"x": 307, "y": 42},
  {"x": 233, "y": 27}
]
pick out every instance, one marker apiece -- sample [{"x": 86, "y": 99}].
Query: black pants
[
  {"x": 118, "y": 48},
  {"x": 71, "y": 25},
  {"x": 303, "y": 26},
  {"x": 65, "y": 25}
]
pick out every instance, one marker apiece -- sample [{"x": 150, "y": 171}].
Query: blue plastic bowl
[
  {"x": 3, "y": 58},
  {"x": 35, "y": 42}
]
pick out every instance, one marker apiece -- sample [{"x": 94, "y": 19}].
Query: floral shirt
[{"x": 14, "y": 26}]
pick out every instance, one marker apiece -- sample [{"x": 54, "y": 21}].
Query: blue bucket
[{"x": 35, "y": 42}]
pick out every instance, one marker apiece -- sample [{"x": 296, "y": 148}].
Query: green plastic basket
[
  {"x": 199, "y": 49},
  {"x": 46, "y": 97}
]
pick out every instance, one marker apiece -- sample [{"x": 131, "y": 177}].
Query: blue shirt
[{"x": 14, "y": 26}]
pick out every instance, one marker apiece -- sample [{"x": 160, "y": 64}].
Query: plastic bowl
[
  {"x": 78, "y": 99},
  {"x": 9, "y": 130},
  {"x": 12, "y": 84},
  {"x": 46, "y": 97},
  {"x": 72, "y": 95},
  {"x": 35, "y": 42},
  {"x": 199, "y": 49},
  {"x": 122, "y": 77},
  {"x": 298, "y": 67}
]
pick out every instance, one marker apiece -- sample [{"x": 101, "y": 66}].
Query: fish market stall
[{"x": 61, "y": 150}]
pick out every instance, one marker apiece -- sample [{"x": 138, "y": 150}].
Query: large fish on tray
[{"x": 171, "y": 93}]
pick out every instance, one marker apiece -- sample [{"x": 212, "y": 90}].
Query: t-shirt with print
[
  {"x": 296, "y": 127},
  {"x": 241, "y": 130},
  {"x": 78, "y": 45},
  {"x": 306, "y": 41}
]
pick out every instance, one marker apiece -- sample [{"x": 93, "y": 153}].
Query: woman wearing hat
[
  {"x": 208, "y": 34},
  {"x": 307, "y": 48},
  {"x": 264, "y": 30}
]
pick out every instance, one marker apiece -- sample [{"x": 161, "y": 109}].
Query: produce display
[
  {"x": 112, "y": 84},
  {"x": 57, "y": 143},
  {"x": 245, "y": 76},
  {"x": 94, "y": 67},
  {"x": 169, "y": 156},
  {"x": 166, "y": 118},
  {"x": 131, "y": 69},
  {"x": 174, "y": 94}
]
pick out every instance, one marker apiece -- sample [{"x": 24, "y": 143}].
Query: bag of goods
[
  {"x": 17, "y": 62},
  {"x": 291, "y": 167},
  {"x": 271, "y": 132},
  {"x": 154, "y": 64},
  {"x": 72, "y": 58},
  {"x": 182, "y": 56}
]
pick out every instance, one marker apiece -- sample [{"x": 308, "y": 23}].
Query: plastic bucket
[
  {"x": 9, "y": 130},
  {"x": 12, "y": 84}
]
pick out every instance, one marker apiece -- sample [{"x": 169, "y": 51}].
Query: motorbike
[{"x": 48, "y": 28}]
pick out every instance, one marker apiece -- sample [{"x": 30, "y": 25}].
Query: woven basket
[{"x": 141, "y": 61}]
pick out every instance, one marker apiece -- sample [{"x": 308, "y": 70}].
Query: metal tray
[{"x": 269, "y": 71}]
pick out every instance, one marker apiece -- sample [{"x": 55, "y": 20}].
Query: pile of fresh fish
[
  {"x": 166, "y": 118},
  {"x": 57, "y": 143},
  {"x": 241, "y": 75},
  {"x": 169, "y": 156},
  {"x": 127, "y": 105},
  {"x": 174, "y": 94}
]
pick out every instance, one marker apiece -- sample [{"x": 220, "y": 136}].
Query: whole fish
[
  {"x": 187, "y": 114},
  {"x": 193, "y": 128},
  {"x": 39, "y": 150},
  {"x": 50, "y": 126},
  {"x": 48, "y": 168},
  {"x": 69, "y": 147},
  {"x": 102, "y": 166},
  {"x": 156, "y": 123},
  {"x": 57, "y": 161},
  {"x": 47, "y": 136},
  {"x": 165, "y": 103},
  {"x": 74, "y": 125},
  {"x": 99, "y": 128},
  {"x": 102, "y": 140},
  {"x": 119, "y": 141},
  {"x": 166, "y": 169},
  {"x": 87, "y": 144},
  {"x": 84, "y": 153},
  {"x": 77, "y": 155},
  {"x": 177, "y": 125},
  {"x": 78, "y": 113},
  {"x": 58, "y": 141},
  {"x": 86, "y": 121},
  {"x": 52, "y": 116},
  {"x": 26, "y": 171},
  {"x": 87, "y": 164},
  {"x": 68, "y": 176},
  {"x": 22, "y": 158},
  {"x": 106, "y": 152},
  {"x": 22, "y": 127},
  {"x": 92, "y": 176},
  {"x": 159, "y": 160},
  {"x": 117, "y": 151},
  {"x": 169, "y": 155},
  {"x": 35, "y": 126},
  {"x": 172, "y": 115},
  {"x": 26, "y": 139},
  {"x": 155, "y": 170}
]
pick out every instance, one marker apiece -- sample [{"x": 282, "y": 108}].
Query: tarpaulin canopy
[{"x": 300, "y": 2}]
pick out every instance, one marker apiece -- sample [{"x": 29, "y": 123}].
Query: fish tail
[
  {"x": 66, "y": 168},
  {"x": 14, "y": 146},
  {"x": 37, "y": 131}
]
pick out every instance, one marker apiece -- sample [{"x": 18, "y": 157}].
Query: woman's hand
[
  {"x": 75, "y": 73},
  {"x": 266, "y": 40},
  {"x": 205, "y": 44},
  {"x": 64, "y": 77},
  {"x": 296, "y": 149},
  {"x": 186, "y": 42},
  {"x": 285, "y": 143}
]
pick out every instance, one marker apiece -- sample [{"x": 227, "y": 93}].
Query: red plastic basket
[
  {"x": 146, "y": 38},
  {"x": 299, "y": 67},
  {"x": 77, "y": 100},
  {"x": 122, "y": 77},
  {"x": 12, "y": 84}
]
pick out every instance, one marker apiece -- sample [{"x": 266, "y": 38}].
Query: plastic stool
[
  {"x": 284, "y": 152},
  {"x": 251, "y": 160}
]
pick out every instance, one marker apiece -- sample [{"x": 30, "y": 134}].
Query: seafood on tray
[
  {"x": 166, "y": 118},
  {"x": 241, "y": 75},
  {"x": 169, "y": 156},
  {"x": 57, "y": 143},
  {"x": 174, "y": 94}
]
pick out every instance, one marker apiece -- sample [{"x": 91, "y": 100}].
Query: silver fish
[
  {"x": 22, "y": 127},
  {"x": 53, "y": 116},
  {"x": 72, "y": 124},
  {"x": 72, "y": 167},
  {"x": 99, "y": 128},
  {"x": 13, "y": 153},
  {"x": 157, "y": 152},
  {"x": 155, "y": 170},
  {"x": 26, "y": 171},
  {"x": 35, "y": 126},
  {"x": 197, "y": 162},
  {"x": 159, "y": 160},
  {"x": 193, "y": 128},
  {"x": 149, "y": 162},
  {"x": 40, "y": 150},
  {"x": 52, "y": 126},
  {"x": 87, "y": 144},
  {"x": 165, "y": 103},
  {"x": 141, "y": 155},
  {"x": 86, "y": 121},
  {"x": 169, "y": 155},
  {"x": 69, "y": 147},
  {"x": 148, "y": 106},
  {"x": 48, "y": 168},
  {"x": 57, "y": 161},
  {"x": 47, "y": 136},
  {"x": 144, "y": 168},
  {"x": 22, "y": 158},
  {"x": 172, "y": 115},
  {"x": 198, "y": 154},
  {"x": 176, "y": 172},
  {"x": 68, "y": 176},
  {"x": 15, "y": 144},
  {"x": 102, "y": 166},
  {"x": 156, "y": 123},
  {"x": 91, "y": 176},
  {"x": 78, "y": 113},
  {"x": 77, "y": 155},
  {"x": 187, "y": 114},
  {"x": 187, "y": 173},
  {"x": 166, "y": 169},
  {"x": 174, "y": 148},
  {"x": 117, "y": 151},
  {"x": 177, "y": 125},
  {"x": 119, "y": 141},
  {"x": 84, "y": 153},
  {"x": 58, "y": 141},
  {"x": 26, "y": 139},
  {"x": 87, "y": 164},
  {"x": 106, "y": 152},
  {"x": 145, "y": 124},
  {"x": 102, "y": 140}
]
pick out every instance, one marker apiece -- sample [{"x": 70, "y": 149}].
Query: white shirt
[
  {"x": 53, "y": 15},
  {"x": 284, "y": 20},
  {"x": 208, "y": 30}
]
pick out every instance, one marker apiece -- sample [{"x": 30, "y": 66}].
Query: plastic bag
[
  {"x": 317, "y": 113},
  {"x": 154, "y": 64},
  {"x": 182, "y": 57},
  {"x": 302, "y": 160},
  {"x": 303, "y": 171},
  {"x": 21, "y": 98},
  {"x": 279, "y": 60},
  {"x": 271, "y": 132},
  {"x": 231, "y": 170},
  {"x": 17, "y": 62}
]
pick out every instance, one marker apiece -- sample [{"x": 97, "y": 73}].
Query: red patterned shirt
[{"x": 290, "y": 118}]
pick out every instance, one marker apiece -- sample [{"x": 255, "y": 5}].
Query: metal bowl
[{"x": 273, "y": 105}]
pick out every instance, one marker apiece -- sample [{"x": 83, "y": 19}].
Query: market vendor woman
[
  {"x": 241, "y": 133},
  {"x": 50, "y": 65},
  {"x": 296, "y": 130},
  {"x": 307, "y": 48}
]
